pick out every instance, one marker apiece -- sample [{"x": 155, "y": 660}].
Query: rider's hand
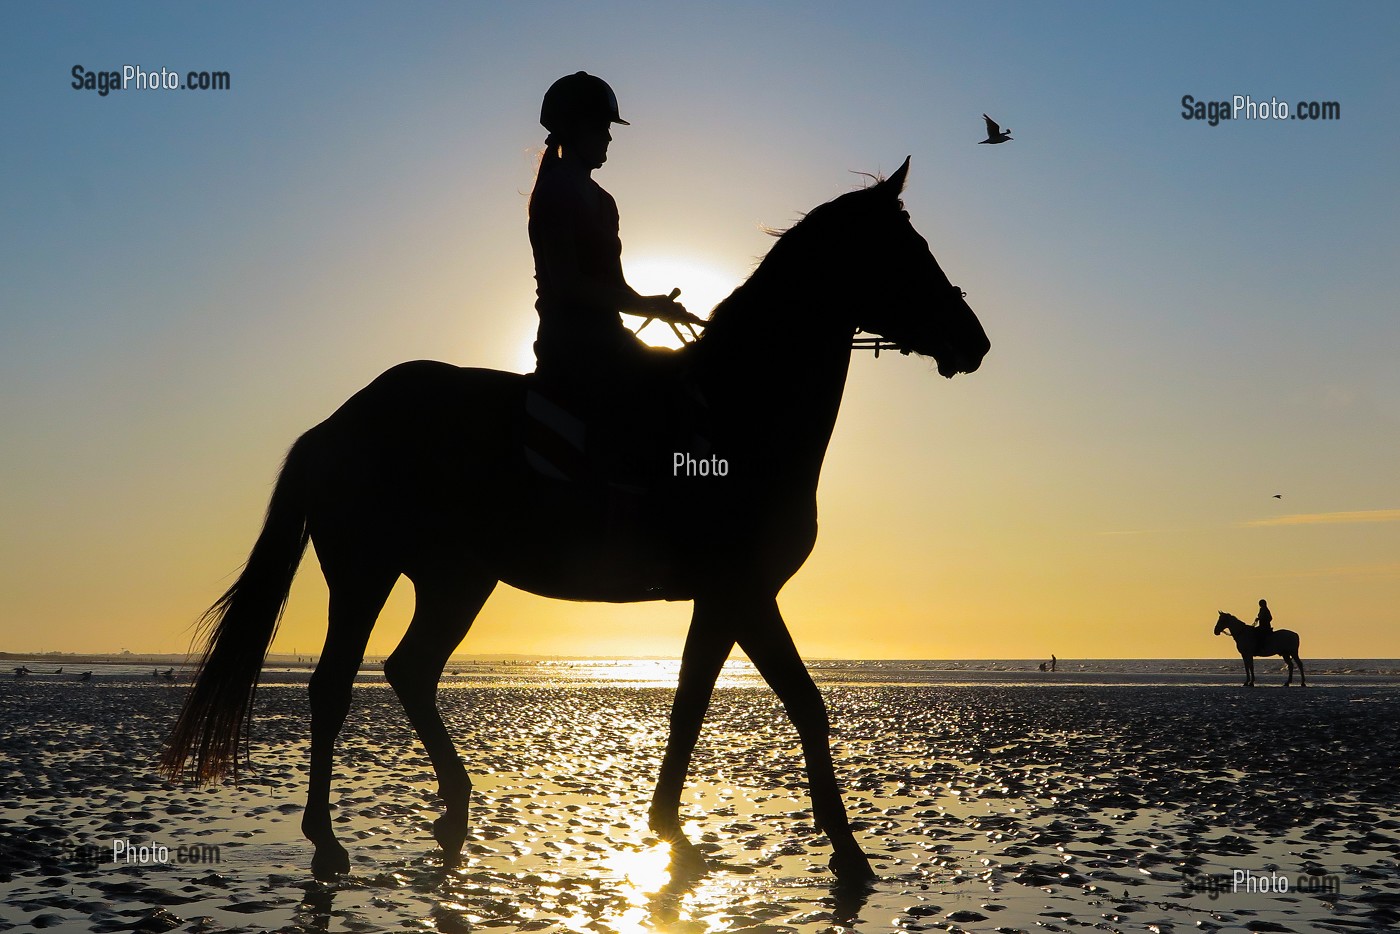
[{"x": 666, "y": 308}]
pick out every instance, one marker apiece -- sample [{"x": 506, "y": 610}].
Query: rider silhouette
[
  {"x": 580, "y": 288},
  {"x": 1265, "y": 619}
]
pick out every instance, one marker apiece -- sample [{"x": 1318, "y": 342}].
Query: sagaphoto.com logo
[
  {"x": 134, "y": 77},
  {"x": 1245, "y": 107},
  {"x": 1248, "y": 882},
  {"x": 125, "y": 852}
]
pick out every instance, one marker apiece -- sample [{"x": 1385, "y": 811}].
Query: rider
[
  {"x": 1265, "y": 619},
  {"x": 580, "y": 288}
]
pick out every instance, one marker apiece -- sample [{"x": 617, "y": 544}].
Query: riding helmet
[{"x": 579, "y": 100}]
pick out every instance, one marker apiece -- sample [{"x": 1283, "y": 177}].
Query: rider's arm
[
  {"x": 556, "y": 249},
  {"x": 560, "y": 261}
]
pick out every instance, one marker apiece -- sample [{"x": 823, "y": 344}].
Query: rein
[{"x": 874, "y": 342}]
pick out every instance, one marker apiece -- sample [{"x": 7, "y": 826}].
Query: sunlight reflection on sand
[{"x": 983, "y": 808}]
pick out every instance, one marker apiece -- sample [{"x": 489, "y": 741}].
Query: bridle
[{"x": 877, "y": 343}]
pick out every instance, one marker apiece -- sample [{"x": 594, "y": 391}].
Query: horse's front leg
[
  {"x": 707, "y": 645},
  {"x": 765, "y": 639},
  {"x": 1249, "y": 671}
]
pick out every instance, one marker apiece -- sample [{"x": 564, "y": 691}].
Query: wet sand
[{"x": 984, "y": 808}]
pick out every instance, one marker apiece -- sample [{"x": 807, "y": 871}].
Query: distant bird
[
  {"x": 21, "y": 671},
  {"x": 169, "y": 674},
  {"x": 995, "y": 134},
  {"x": 59, "y": 672},
  {"x": 85, "y": 676},
  {"x": 1278, "y": 496}
]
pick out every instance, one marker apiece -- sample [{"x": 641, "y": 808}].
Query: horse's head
[
  {"x": 1223, "y": 623},
  {"x": 901, "y": 293}
]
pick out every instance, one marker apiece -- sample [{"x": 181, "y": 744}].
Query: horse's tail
[{"x": 238, "y": 630}]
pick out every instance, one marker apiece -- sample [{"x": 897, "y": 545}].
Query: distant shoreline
[
  {"x": 615, "y": 671},
  {"x": 283, "y": 659}
]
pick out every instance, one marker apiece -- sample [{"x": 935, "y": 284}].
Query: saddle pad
[
  {"x": 556, "y": 441},
  {"x": 559, "y": 445}
]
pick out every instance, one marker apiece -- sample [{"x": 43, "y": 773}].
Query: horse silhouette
[
  {"x": 418, "y": 474},
  {"x": 1281, "y": 642}
]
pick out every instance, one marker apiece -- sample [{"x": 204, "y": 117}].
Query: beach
[{"x": 987, "y": 803}]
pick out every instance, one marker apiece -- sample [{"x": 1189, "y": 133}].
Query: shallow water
[{"x": 984, "y": 807}]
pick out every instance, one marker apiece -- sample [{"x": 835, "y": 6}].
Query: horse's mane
[{"x": 730, "y": 311}]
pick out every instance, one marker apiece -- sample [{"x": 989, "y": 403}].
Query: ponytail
[{"x": 550, "y": 158}]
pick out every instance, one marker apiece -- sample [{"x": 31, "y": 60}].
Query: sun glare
[
  {"x": 702, "y": 288},
  {"x": 645, "y": 870}
]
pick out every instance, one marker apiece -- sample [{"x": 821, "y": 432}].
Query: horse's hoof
[
  {"x": 686, "y": 858},
  {"x": 331, "y": 860},
  {"x": 451, "y": 833},
  {"x": 666, "y": 826},
  {"x": 852, "y": 868}
]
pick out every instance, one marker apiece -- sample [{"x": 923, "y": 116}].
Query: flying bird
[
  {"x": 1278, "y": 496},
  {"x": 995, "y": 134}
]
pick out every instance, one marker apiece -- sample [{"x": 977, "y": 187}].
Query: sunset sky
[{"x": 1185, "y": 319}]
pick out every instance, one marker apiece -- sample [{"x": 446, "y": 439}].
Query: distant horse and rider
[
  {"x": 419, "y": 475},
  {"x": 1252, "y": 642}
]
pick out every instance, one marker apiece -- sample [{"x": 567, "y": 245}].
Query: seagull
[
  {"x": 995, "y": 134},
  {"x": 1278, "y": 496},
  {"x": 85, "y": 676}
]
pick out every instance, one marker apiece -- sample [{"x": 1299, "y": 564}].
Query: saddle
[{"x": 1263, "y": 642}]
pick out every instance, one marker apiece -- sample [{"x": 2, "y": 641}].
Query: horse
[
  {"x": 419, "y": 474},
  {"x": 1282, "y": 642}
]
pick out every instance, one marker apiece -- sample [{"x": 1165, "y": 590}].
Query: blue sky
[{"x": 1185, "y": 319}]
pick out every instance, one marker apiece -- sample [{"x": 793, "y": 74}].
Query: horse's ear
[{"x": 896, "y": 181}]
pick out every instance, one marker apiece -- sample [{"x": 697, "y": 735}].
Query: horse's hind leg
[
  {"x": 447, "y": 603},
  {"x": 355, "y": 601},
  {"x": 1289, "y": 661},
  {"x": 1302, "y": 675}
]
